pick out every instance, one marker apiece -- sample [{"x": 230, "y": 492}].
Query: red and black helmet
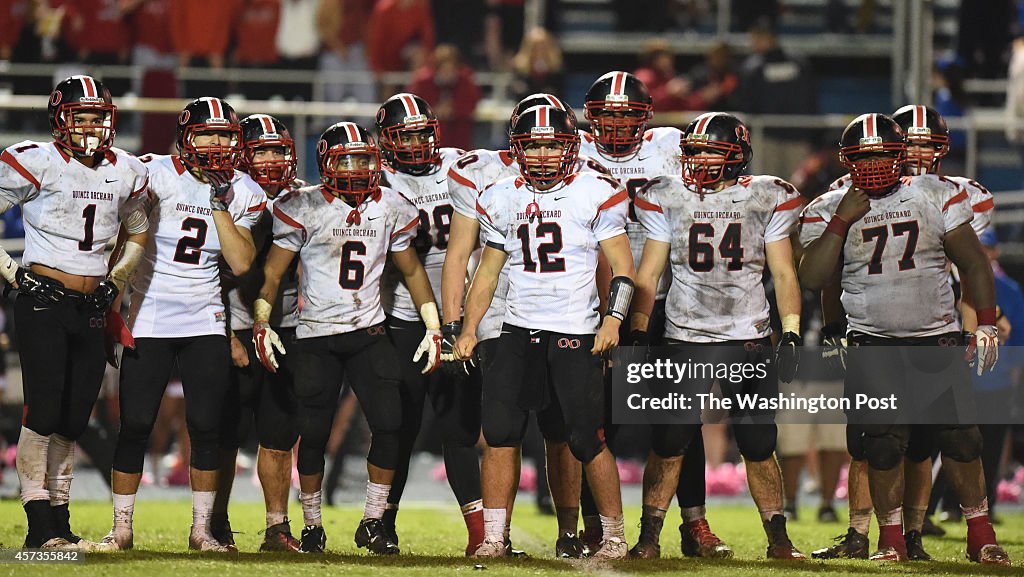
[
  {"x": 262, "y": 131},
  {"x": 545, "y": 124},
  {"x": 618, "y": 107},
  {"x": 873, "y": 149},
  {"x": 923, "y": 126},
  {"x": 715, "y": 148},
  {"x": 539, "y": 99},
  {"x": 349, "y": 162},
  {"x": 209, "y": 114},
  {"x": 406, "y": 113},
  {"x": 75, "y": 95}
]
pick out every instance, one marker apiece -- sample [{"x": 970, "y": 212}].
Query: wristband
[
  {"x": 987, "y": 316},
  {"x": 837, "y": 226},
  {"x": 791, "y": 324}
]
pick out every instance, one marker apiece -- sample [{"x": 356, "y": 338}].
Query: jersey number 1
[{"x": 89, "y": 214}]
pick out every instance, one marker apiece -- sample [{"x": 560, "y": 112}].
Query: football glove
[
  {"x": 266, "y": 340},
  {"x": 221, "y": 192},
  {"x": 48, "y": 292},
  {"x": 787, "y": 356},
  {"x": 115, "y": 332},
  {"x": 983, "y": 348},
  {"x": 431, "y": 347},
  {"x": 104, "y": 296},
  {"x": 449, "y": 334},
  {"x": 834, "y": 347}
]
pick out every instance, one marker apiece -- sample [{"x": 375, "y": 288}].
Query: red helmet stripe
[
  {"x": 542, "y": 116},
  {"x": 216, "y": 110},
  {"x": 554, "y": 102},
  {"x": 869, "y": 126},
  {"x": 702, "y": 124},
  {"x": 920, "y": 118},
  {"x": 410, "y": 105},
  {"x": 619, "y": 83},
  {"x": 268, "y": 126},
  {"x": 353, "y": 133},
  {"x": 88, "y": 86}
]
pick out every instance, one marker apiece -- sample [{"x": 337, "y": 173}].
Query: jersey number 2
[
  {"x": 544, "y": 250},
  {"x": 190, "y": 247}
]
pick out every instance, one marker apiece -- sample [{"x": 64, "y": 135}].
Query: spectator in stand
[
  {"x": 257, "y": 21},
  {"x": 503, "y": 31},
  {"x": 448, "y": 85},
  {"x": 951, "y": 101},
  {"x": 657, "y": 71},
  {"x": 538, "y": 65},
  {"x": 152, "y": 45},
  {"x": 400, "y": 36},
  {"x": 984, "y": 35},
  {"x": 13, "y": 16},
  {"x": 201, "y": 30},
  {"x": 342, "y": 31},
  {"x": 713, "y": 83},
  {"x": 461, "y": 24},
  {"x": 298, "y": 45},
  {"x": 97, "y": 30}
]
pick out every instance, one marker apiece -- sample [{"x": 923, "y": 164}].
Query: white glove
[
  {"x": 983, "y": 350},
  {"x": 266, "y": 340},
  {"x": 430, "y": 346}
]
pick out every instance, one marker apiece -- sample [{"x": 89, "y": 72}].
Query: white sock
[
  {"x": 124, "y": 508},
  {"x": 979, "y": 511},
  {"x": 472, "y": 507},
  {"x": 860, "y": 520},
  {"x": 202, "y": 508},
  {"x": 376, "y": 500},
  {"x": 311, "y": 509},
  {"x": 691, "y": 514},
  {"x": 494, "y": 524},
  {"x": 31, "y": 464},
  {"x": 276, "y": 518},
  {"x": 768, "y": 514},
  {"x": 59, "y": 460},
  {"x": 890, "y": 518},
  {"x": 613, "y": 527}
]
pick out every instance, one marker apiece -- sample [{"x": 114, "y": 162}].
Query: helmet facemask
[
  {"x": 707, "y": 163},
  {"x": 267, "y": 168},
  {"x": 617, "y": 124},
  {"x": 925, "y": 150},
  {"x": 413, "y": 147},
  {"x": 215, "y": 156},
  {"x": 544, "y": 171},
  {"x": 85, "y": 128},
  {"x": 351, "y": 171},
  {"x": 875, "y": 167}
]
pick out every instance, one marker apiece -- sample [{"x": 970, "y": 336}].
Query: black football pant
[{"x": 456, "y": 404}]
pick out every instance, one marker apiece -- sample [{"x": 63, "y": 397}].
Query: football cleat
[
  {"x": 611, "y": 548},
  {"x": 118, "y": 539},
  {"x": 697, "y": 540},
  {"x": 991, "y": 554},
  {"x": 513, "y": 552},
  {"x": 591, "y": 539},
  {"x": 372, "y": 535},
  {"x": 915, "y": 547},
  {"x": 199, "y": 540},
  {"x": 314, "y": 540},
  {"x": 59, "y": 544},
  {"x": 220, "y": 528},
  {"x": 569, "y": 546},
  {"x": 779, "y": 545},
  {"x": 852, "y": 545},
  {"x": 491, "y": 548},
  {"x": 888, "y": 554},
  {"x": 279, "y": 538}
]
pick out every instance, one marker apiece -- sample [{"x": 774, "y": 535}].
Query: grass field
[{"x": 432, "y": 540}]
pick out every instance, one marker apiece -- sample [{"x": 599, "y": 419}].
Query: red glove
[{"x": 116, "y": 332}]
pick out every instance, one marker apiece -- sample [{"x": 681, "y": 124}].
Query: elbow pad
[
  {"x": 620, "y": 294},
  {"x": 137, "y": 222}
]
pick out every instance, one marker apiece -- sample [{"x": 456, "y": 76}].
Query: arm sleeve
[
  {"x": 651, "y": 215},
  {"x": 956, "y": 206},
  {"x": 18, "y": 184},
  {"x": 493, "y": 235},
  {"x": 787, "y": 206},
  {"x": 982, "y": 205},
  {"x": 611, "y": 215},
  {"x": 838, "y": 183},
  {"x": 255, "y": 204},
  {"x": 813, "y": 220},
  {"x": 406, "y": 226},
  {"x": 461, "y": 190},
  {"x": 289, "y": 233}
]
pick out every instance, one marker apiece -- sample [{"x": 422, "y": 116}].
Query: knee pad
[
  {"x": 669, "y": 441},
  {"x": 205, "y": 451},
  {"x": 756, "y": 442},
  {"x": 310, "y": 460},
  {"x": 885, "y": 446},
  {"x": 279, "y": 439},
  {"x": 960, "y": 443},
  {"x": 459, "y": 434},
  {"x": 586, "y": 445},
  {"x": 385, "y": 449},
  {"x": 855, "y": 442},
  {"x": 921, "y": 444}
]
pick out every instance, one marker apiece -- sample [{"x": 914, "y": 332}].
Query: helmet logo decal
[
  {"x": 321, "y": 147},
  {"x": 742, "y": 133},
  {"x": 55, "y": 98},
  {"x": 183, "y": 119},
  {"x": 380, "y": 115}
]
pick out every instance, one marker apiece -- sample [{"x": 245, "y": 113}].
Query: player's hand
[
  {"x": 449, "y": 364},
  {"x": 431, "y": 347},
  {"x": 221, "y": 192},
  {"x": 464, "y": 346},
  {"x": 834, "y": 347},
  {"x": 266, "y": 340},
  {"x": 49, "y": 292},
  {"x": 239, "y": 356},
  {"x": 983, "y": 348},
  {"x": 104, "y": 296},
  {"x": 607, "y": 337},
  {"x": 854, "y": 205},
  {"x": 116, "y": 332},
  {"x": 787, "y": 356},
  {"x": 1004, "y": 327}
]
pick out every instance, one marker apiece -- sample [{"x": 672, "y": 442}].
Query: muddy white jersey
[
  {"x": 894, "y": 277},
  {"x": 176, "y": 287},
  {"x": 717, "y": 252},
  {"x": 982, "y": 203},
  {"x": 70, "y": 210},
  {"x": 467, "y": 178},
  {"x": 658, "y": 155},
  {"x": 342, "y": 264},
  {"x": 429, "y": 193},
  {"x": 245, "y": 290},
  {"x": 552, "y": 257}
]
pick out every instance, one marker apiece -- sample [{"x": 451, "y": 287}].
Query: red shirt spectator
[
  {"x": 203, "y": 27},
  {"x": 342, "y": 23},
  {"x": 448, "y": 86},
  {"x": 393, "y": 25},
  {"x": 150, "y": 24},
  {"x": 96, "y": 27},
  {"x": 256, "y": 23},
  {"x": 13, "y": 14}
]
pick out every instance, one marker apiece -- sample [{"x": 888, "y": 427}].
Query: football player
[
  {"x": 467, "y": 178},
  {"x": 417, "y": 166},
  {"x": 619, "y": 108},
  {"x": 549, "y": 222},
  {"x": 201, "y": 212},
  {"x": 719, "y": 230},
  {"x": 342, "y": 231},
  {"x": 268, "y": 156},
  {"x": 900, "y": 296},
  {"x": 75, "y": 193}
]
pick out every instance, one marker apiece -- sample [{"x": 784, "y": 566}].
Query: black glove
[
  {"x": 639, "y": 338},
  {"x": 787, "y": 356},
  {"x": 834, "y": 347},
  {"x": 449, "y": 334},
  {"x": 49, "y": 292},
  {"x": 221, "y": 193},
  {"x": 103, "y": 296}
]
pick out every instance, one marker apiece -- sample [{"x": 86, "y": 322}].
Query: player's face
[
  {"x": 268, "y": 154},
  {"x": 88, "y": 128},
  {"x": 347, "y": 163},
  {"x": 619, "y": 124},
  {"x": 921, "y": 157},
  {"x": 704, "y": 164},
  {"x": 213, "y": 138},
  {"x": 543, "y": 157},
  {"x": 415, "y": 138}
]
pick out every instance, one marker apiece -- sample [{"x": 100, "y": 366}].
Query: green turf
[{"x": 433, "y": 539}]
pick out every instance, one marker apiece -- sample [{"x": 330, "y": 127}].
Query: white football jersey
[
  {"x": 894, "y": 277},
  {"x": 659, "y": 155},
  {"x": 429, "y": 193},
  {"x": 342, "y": 264},
  {"x": 717, "y": 252},
  {"x": 552, "y": 258},
  {"x": 70, "y": 210},
  {"x": 176, "y": 288},
  {"x": 286, "y": 308},
  {"x": 467, "y": 178},
  {"x": 982, "y": 203}
]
